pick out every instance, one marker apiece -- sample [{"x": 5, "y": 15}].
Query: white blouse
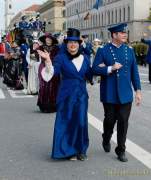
[{"x": 48, "y": 71}]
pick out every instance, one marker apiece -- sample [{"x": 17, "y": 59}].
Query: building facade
[
  {"x": 53, "y": 13},
  {"x": 81, "y": 14},
  {"x": 8, "y": 13}
]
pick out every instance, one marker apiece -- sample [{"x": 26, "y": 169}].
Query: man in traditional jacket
[
  {"x": 23, "y": 24},
  {"x": 148, "y": 57},
  {"x": 37, "y": 25},
  {"x": 86, "y": 45},
  {"x": 116, "y": 64}
]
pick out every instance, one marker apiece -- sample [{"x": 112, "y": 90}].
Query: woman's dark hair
[{"x": 66, "y": 41}]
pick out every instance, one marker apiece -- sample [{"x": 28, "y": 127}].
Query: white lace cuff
[
  {"x": 47, "y": 73},
  {"x": 109, "y": 69}
]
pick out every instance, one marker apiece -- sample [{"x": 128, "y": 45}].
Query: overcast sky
[{"x": 17, "y": 6}]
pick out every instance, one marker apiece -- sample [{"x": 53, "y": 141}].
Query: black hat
[
  {"x": 23, "y": 17},
  {"x": 85, "y": 36},
  {"x": 38, "y": 16},
  {"x": 73, "y": 35},
  {"x": 48, "y": 35}
]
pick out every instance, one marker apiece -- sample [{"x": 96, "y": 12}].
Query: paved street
[{"x": 26, "y": 139}]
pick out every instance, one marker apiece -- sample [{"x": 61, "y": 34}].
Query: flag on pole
[
  {"x": 97, "y": 4},
  {"x": 87, "y": 16}
]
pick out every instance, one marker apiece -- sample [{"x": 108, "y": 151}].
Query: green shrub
[{"x": 140, "y": 50}]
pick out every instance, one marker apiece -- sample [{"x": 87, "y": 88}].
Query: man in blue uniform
[
  {"x": 148, "y": 57},
  {"x": 23, "y": 24},
  {"x": 86, "y": 46},
  {"x": 116, "y": 64},
  {"x": 37, "y": 25}
]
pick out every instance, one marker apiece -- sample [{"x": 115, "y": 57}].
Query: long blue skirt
[{"x": 71, "y": 127}]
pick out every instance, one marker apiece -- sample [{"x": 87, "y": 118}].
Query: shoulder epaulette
[{"x": 130, "y": 47}]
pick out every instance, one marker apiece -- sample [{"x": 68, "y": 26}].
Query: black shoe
[
  {"x": 106, "y": 147},
  {"x": 121, "y": 156},
  {"x": 82, "y": 157}
]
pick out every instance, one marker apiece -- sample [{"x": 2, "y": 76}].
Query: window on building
[
  {"x": 99, "y": 16},
  {"x": 129, "y": 13},
  {"x": 112, "y": 17},
  {"x": 93, "y": 19},
  {"x": 96, "y": 20},
  {"x": 120, "y": 15},
  {"x": 108, "y": 16},
  {"x": 101, "y": 35},
  {"x": 116, "y": 16},
  {"x": 102, "y": 19},
  {"x": 124, "y": 18},
  {"x": 64, "y": 26},
  {"x": 63, "y": 13},
  {"x": 10, "y": 6}
]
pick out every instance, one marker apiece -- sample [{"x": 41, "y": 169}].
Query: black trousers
[
  {"x": 119, "y": 113},
  {"x": 149, "y": 73}
]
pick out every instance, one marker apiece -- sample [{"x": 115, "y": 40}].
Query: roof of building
[{"x": 34, "y": 7}]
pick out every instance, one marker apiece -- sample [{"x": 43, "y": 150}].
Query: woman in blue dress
[{"x": 71, "y": 125}]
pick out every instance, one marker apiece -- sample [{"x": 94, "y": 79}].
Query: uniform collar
[{"x": 115, "y": 45}]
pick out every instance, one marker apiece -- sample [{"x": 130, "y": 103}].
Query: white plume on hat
[{"x": 96, "y": 39}]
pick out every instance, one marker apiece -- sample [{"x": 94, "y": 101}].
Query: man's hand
[
  {"x": 116, "y": 66},
  {"x": 138, "y": 97}
]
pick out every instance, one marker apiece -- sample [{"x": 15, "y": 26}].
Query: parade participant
[
  {"x": 33, "y": 66},
  {"x": 71, "y": 125},
  {"x": 116, "y": 64},
  {"x": 48, "y": 90},
  {"x": 148, "y": 57},
  {"x": 24, "y": 48},
  {"x": 14, "y": 68},
  {"x": 23, "y": 24},
  {"x": 37, "y": 24},
  {"x": 96, "y": 44},
  {"x": 2, "y": 54},
  {"x": 31, "y": 21},
  {"x": 86, "y": 45},
  {"x": 7, "y": 57}
]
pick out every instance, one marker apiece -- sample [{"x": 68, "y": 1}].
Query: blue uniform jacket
[
  {"x": 37, "y": 25},
  {"x": 116, "y": 87},
  {"x": 148, "y": 57},
  {"x": 23, "y": 25},
  {"x": 88, "y": 49}
]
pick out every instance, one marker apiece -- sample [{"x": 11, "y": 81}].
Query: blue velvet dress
[{"x": 71, "y": 124}]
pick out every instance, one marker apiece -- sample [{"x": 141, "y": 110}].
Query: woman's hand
[
  {"x": 45, "y": 55},
  {"x": 102, "y": 65}
]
